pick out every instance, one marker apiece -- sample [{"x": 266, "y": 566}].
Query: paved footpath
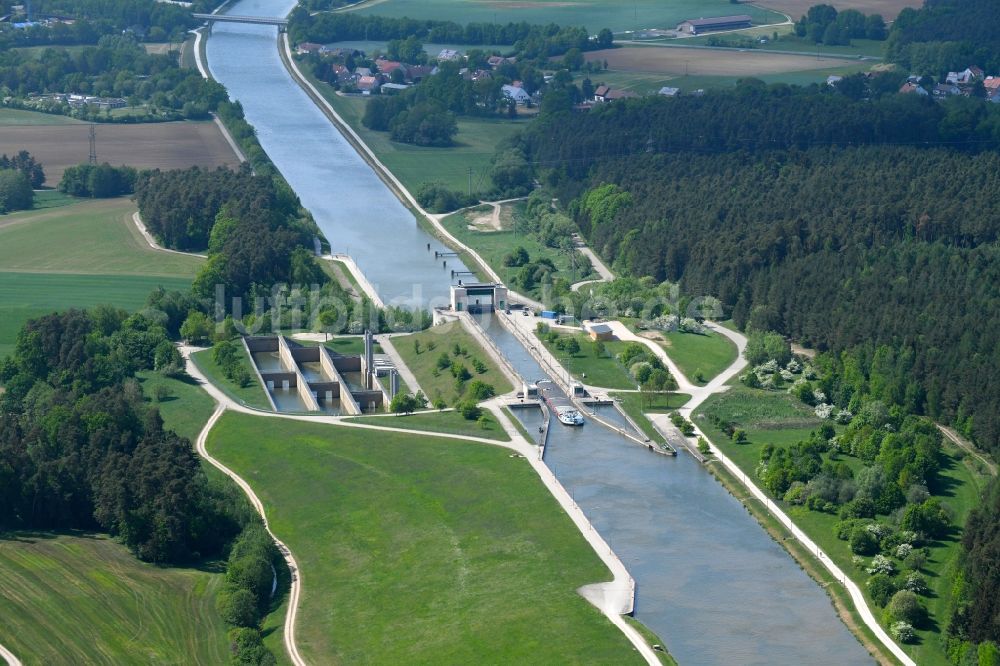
[
  {"x": 612, "y": 598},
  {"x": 9, "y": 657}
]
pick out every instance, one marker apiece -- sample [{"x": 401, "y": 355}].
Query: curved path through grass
[{"x": 613, "y": 598}]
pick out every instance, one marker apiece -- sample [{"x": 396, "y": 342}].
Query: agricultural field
[
  {"x": 456, "y": 548},
  {"x": 83, "y": 598},
  {"x": 474, "y": 147},
  {"x": 592, "y": 14},
  {"x": 440, "y": 340},
  {"x": 889, "y": 9},
  {"x": 450, "y": 422},
  {"x": 777, "y": 418},
  {"x": 787, "y": 42},
  {"x": 78, "y": 253},
  {"x": 58, "y": 144},
  {"x": 674, "y": 61},
  {"x": 494, "y": 235}
]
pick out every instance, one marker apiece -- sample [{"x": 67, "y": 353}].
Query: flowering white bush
[
  {"x": 858, "y": 561},
  {"x": 915, "y": 583},
  {"x": 878, "y": 529},
  {"x": 844, "y": 416},
  {"x": 902, "y": 632},
  {"x": 787, "y": 375},
  {"x": 903, "y": 549},
  {"x": 767, "y": 382},
  {"x": 809, "y": 372},
  {"x": 770, "y": 367},
  {"x": 690, "y": 325},
  {"x": 881, "y": 564},
  {"x": 794, "y": 366},
  {"x": 909, "y": 536},
  {"x": 823, "y": 410},
  {"x": 665, "y": 323},
  {"x": 819, "y": 395}
]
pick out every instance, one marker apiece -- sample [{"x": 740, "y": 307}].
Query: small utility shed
[{"x": 599, "y": 332}]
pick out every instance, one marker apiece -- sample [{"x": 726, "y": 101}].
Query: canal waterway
[
  {"x": 709, "y": 580},
  {"x": 356, "y": 212}
]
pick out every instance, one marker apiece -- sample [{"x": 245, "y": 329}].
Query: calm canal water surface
[
  {"x": 357, "y": 213},
  {"x": 709, "y": 580}
]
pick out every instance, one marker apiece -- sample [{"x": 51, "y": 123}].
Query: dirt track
[
  {"x": 708, "y": 62},
  {"x": 153, "y": 145}
]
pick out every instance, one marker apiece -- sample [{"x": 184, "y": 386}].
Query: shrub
[
  {"x": 881, "y": 565},
  {"x": 443, "y": 362},
  {"x": 247, "y": 647},
  {"x": 470, "y": 410},
  {"x": 237, "y": 607},
  {"x": 478, "y": 366},
  {"x": 915, "y": 583},
  {"x": 480, "y": 390},
  {"x": 905, "y": 606},
  {"x": 863, "y": 542},
  {"x": 902, "y": 632},
  {"x": 162, "y": 392},
  {"x": 881, "y": 587}
]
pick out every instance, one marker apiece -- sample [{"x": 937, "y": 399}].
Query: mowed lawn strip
[
  {"x": 86, "y": 600},
  {"x": 185, "y": 408},
  {"x": 443, "y": 338},
  {"x": 449, "y": 422},
  {"x": 24, "y": 296},
  {"x": 421, "y": 550},
  {"x": 89, "y": 236},
  {"x": 777, "y": 418}
]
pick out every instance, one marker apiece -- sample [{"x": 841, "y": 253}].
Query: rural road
[{"x": 613, "y": 598}]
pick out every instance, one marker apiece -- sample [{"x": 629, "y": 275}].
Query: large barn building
[{"x": 703, "y": 25}]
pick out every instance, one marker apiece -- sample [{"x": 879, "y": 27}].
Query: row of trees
[
  {"x": 823, "y": 24},
  {"x": 98, "y": 180},
  {"x": 529, "y": 41},
  {"x": 26, "y": 164}
]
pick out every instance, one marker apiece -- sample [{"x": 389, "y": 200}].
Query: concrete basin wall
[
  {"x": 288, "y": 358},
  {"x": 329, "y": 363},
  {"x": 249, "y": 345}
]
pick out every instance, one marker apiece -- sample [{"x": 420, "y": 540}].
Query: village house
[
  {"x": 966, "y": 77},
  {"x": 368, "y": 84},
  {"x": 911, "y": 87},
  {"x": 945, "y": 90},
  {"x": 308, "y": 47},
  {"x": 417, "y": 73},
  {"x": 518, "y": 95},
  {"x": 387, "y": 67},
  {"x": 667, "y": 91},
  {"x": 448, "y": 55}
]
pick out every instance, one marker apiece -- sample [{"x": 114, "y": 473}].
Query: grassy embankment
[
  {"x": 778, "y": 419},
  {"x": 475, "y": 144},
  {"x": 706, "y": 353},
  {"x": 605, "y": 371},
  {"x": 494, "y": 244},
  {"x": 433, "y": 535},
  {"x": 83, "y": 598},
  {"x": 252, "y": 395},
  {"x": 637, "y": 406},
  {"x": 78, "y": 254},
  {"x": 440, "y": 340},
  {"x": 452, "y": 423}
]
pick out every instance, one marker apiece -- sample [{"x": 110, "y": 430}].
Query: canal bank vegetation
[
  {"x": 456, "y": 547},
  {"x": 233, "y": 374},
  {"x": 879, "y": 490},
  {"x": 71, "y": 395},
  {"x": 451, "y": 366},
  {"x": 528, "y": 244}
]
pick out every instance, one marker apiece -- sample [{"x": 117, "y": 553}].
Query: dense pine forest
[{"x": 947, "y": 35}]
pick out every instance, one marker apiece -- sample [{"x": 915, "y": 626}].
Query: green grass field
[
  {"x": 187, "y": 407},
  {"x": 90, "y": 236},
  {"x": 14, "y": 117},
  {"x": 592, "y": 14},
  {"x": 447, "y": 422},
  {"x": 78, "y": 253},
  {"x": 476, "y": 143},
  {"x": 788, "y": 42},
  {"x": 493, "y": 245},
  {"x": 251, "y": 396},
  {"x": 84, "y": 599},
  {"x": 443, "y": 338},
  {"x": 421, "y": 550},
  {"x": 777, "y": 418},
  {"x": 646, "y": 83},
  {"x": 24, "y": 296},
  {"x": 603, "y": 371},
  {"x": 707, "y": 354}
]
